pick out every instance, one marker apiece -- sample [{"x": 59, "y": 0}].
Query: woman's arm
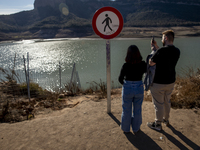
[{"x": 122, "y": 75}]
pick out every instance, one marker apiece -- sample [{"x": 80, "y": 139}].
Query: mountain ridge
[{"x": 74, "y": 17}]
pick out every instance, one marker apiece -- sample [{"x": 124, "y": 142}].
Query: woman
[{"x": 132, "y": 91}]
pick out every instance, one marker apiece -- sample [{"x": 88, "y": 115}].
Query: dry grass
[
  {"x": 72, "y": 88},
  {"x": 186, "y": 93}
]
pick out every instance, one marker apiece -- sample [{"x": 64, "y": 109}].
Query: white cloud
[
  {"x": 29, "y": 6},
  {"x": 7, "y": 11}
]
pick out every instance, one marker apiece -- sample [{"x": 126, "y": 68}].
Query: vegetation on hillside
[
  {"x": 186, "y": 93},
  {"x": 135, "y": 13},
  {"x": 16, "y": 106}
]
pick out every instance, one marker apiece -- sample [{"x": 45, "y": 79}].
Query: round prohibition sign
[{"x": 107, "y": 22}]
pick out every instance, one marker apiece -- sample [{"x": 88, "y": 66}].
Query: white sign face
[{"x": 107, "y": 23}]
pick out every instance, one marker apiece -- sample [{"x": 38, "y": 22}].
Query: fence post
[
  {"x": 60, "y": 76},
  {"x": 72, "y": 75},
  {"x": 28, "y": 80},
  {"x": 25, "y": 69}
]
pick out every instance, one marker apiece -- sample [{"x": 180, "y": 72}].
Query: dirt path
[{"x": 87, "y": 126}]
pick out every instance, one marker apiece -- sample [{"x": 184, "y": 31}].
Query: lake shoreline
[
  {"x": 146, "y": 32},
  {"x": 127, "y": 32}
]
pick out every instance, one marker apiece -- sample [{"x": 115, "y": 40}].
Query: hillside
[{"x": 65, "y": 18}]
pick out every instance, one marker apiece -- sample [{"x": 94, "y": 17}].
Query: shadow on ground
[
  {"x": 182, "y": 137},
  {"x": 139, "y": 140}
]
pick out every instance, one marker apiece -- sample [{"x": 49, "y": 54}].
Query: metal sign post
[
  {"x": 107, "y": 23},
  {"x": 108, "y": 76}
]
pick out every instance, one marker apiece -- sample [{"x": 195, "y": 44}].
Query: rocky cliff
[
  {"x": 72, "y": 18},
  {"x": 77, "y": 7}
]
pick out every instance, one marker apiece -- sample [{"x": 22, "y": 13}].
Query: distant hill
[{"x": 67, "y": 18}]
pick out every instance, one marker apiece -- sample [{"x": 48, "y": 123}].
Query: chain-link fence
[
  {"x": 24, "y": 90},
  {"x": 18, "y": 79}
]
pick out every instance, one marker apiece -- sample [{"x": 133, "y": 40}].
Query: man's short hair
[{"x": 169, "y": 34}]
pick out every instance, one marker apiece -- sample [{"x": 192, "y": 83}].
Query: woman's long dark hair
[{"x": 133, "y": 55}]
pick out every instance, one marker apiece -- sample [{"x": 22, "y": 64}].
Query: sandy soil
[{"x": 88, "y": 126}]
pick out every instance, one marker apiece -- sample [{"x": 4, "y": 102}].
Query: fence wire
[{"x": 17, "y": 78}]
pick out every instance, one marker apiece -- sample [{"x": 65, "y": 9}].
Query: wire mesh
[{"x": 13, "y": 79}]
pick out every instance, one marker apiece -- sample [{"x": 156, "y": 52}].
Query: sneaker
[
  {"x": 155, "y": 126},
  {"x": 166, "y": 122},
  {"x": 127, "y": 132},
  {"x": 137, "y": 132}
]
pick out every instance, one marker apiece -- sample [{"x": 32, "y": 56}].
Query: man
[{"x": 165, "y": 60}]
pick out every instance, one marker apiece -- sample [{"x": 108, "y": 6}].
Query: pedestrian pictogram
[{"x": 107, "y": 22}]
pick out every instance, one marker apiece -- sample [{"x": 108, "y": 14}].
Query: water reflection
[{"x": 88, "y": 54}]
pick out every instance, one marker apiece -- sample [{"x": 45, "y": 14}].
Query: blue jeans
[{"x": 132, "y": 98}]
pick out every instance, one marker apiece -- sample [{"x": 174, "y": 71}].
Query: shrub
[
  {"x": 35, "y": 89},
  {"x": 187, "y": 90},
  {"x": 72, "y": 88}
]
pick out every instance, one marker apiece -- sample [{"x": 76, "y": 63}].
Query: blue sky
[{"x": 14, "y": 6}]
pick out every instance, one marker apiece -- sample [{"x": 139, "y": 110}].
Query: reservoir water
[{"x": 89, "y": 56}]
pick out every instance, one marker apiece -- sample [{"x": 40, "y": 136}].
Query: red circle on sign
[{"x": 98, "y": 12}]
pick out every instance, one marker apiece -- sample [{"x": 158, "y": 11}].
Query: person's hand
[
  {"x": 154, "y": 45},
  {"x": 153, "y": 48},
  {"x": 151, "y": 63},
  {"x": 153, "y": 42}
]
